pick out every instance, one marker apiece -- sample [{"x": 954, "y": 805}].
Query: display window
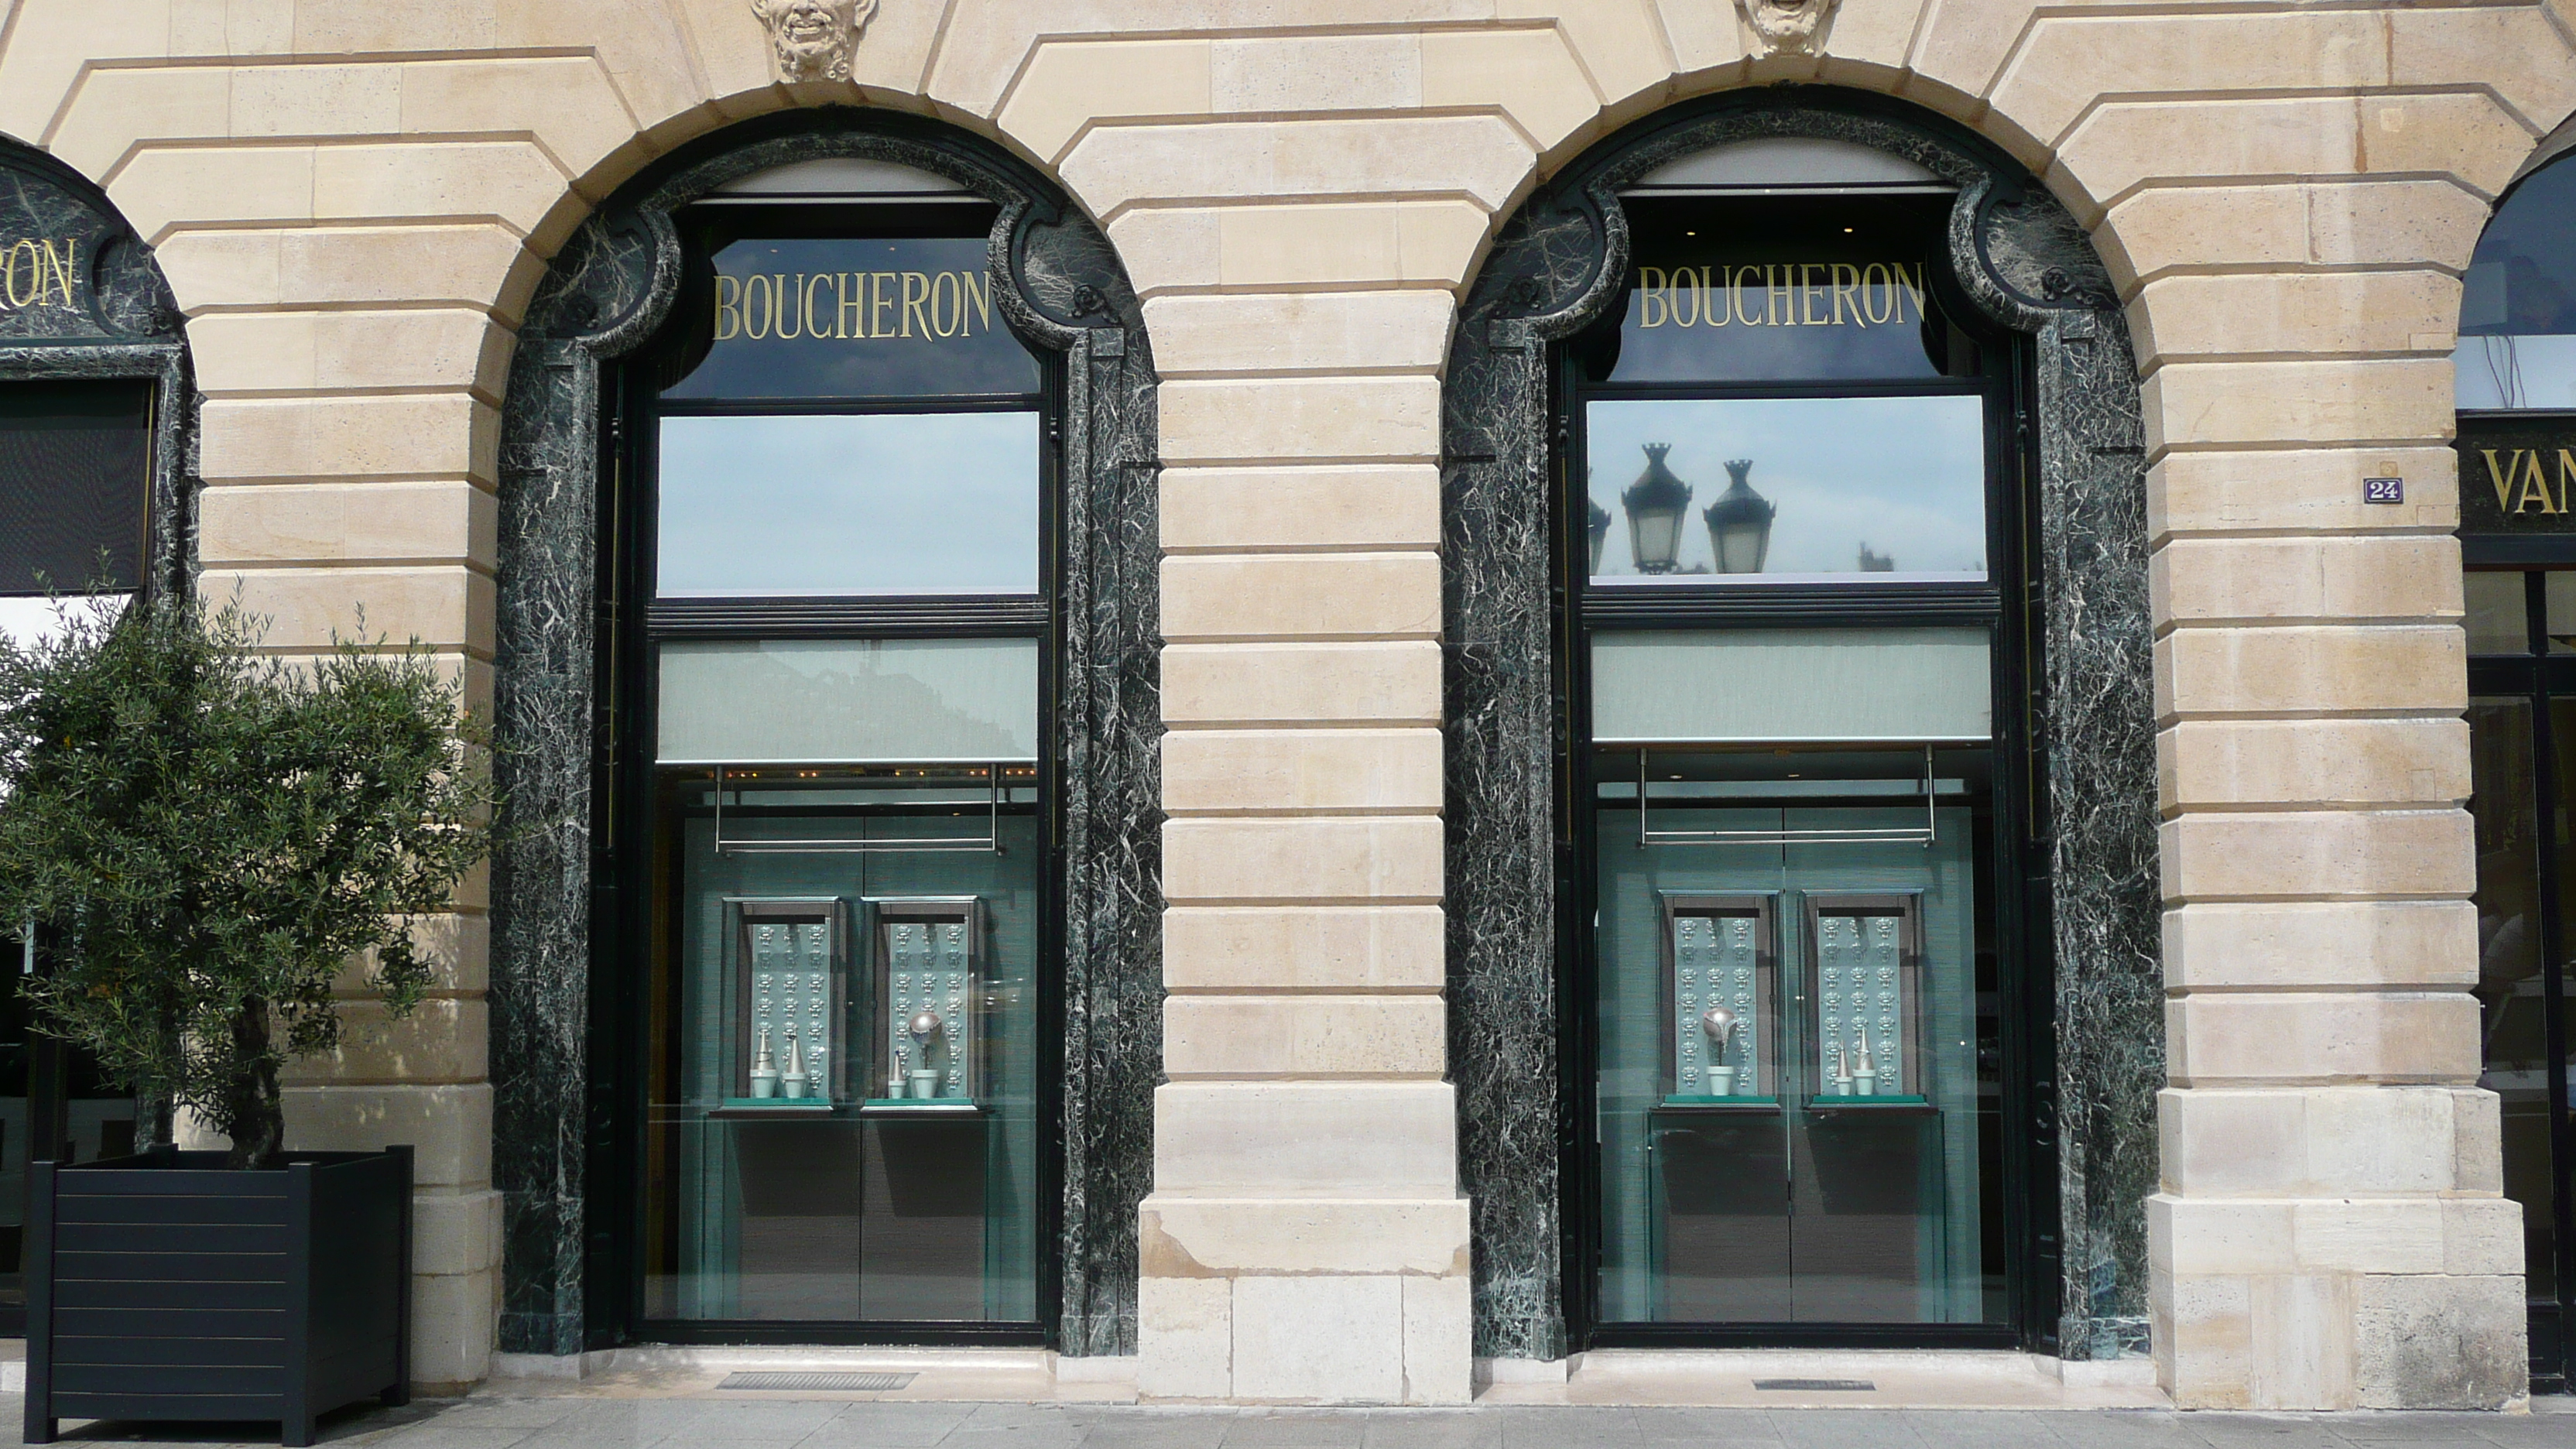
[
  {"x": 1788, "y": 503},
  {"x": 838, "y": 782}
]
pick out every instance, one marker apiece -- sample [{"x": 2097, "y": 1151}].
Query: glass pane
[
  {"x": 2499, "y": 619},
  {"x": 2516, "y": 1068},
  {"x": 844, "y": 1101},
  {"x": 1798, "y": 1091},
  {"x": 1778, "y": 290},
  {"x": 1860, "y": 685},
  {"x": 75, "y": 461},
  {"x": 1774, "y": 490},
  {"x": 850, "y": 317},
  {"x": 778, "y": 701},
  {"x": 884, "y": 503},
  {"x": 2518, "y": 308},
  {"x": 2559, "y": 611}
]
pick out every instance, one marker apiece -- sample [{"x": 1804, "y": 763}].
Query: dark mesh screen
[{"x": 74, "y": 484}]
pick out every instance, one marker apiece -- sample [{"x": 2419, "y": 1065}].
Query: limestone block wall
[{"x": 352, "y": 202}]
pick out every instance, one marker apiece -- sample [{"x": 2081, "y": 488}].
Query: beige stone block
[
  {"x": 2371, "y": 1236},
  {"x": 449, "y": 1128},
  {"x": 1348, "y": 683},
  {"x": 2322, "y": 1141},
  {"x": 51, "y": 44},
  {"x": 113, "y": 109},
  {"x": 2312, "y": 491},
  {"x": 1621, "y": 42},
  {"x": 2199, "y": 1237},
  {"x": 1316, "y": 861},
  {"x": 566, "y": 103},
  {"x": 2515, "y": 51},
  {"x": 456, "y": 1232},
  {"x": 2217, "y": 1040},
  {"x": 1960, "y": 47},
  {"x": 1281, "y": 74},
  {"x": 645, "y": 49},
  {"x": 2399, "y": 577},
  {"x": 1705, "y": 37},
  {"x": 2477, "y": 1142},
  {"x": 2274, "y": 223},
  {"x": 349, "y": 523},
  {"x": 1310, "y": 948},
  {"x": 1207, "y": 1237},
  {"x": 1234, "y": 772},
  {"x": 163, "y": 188},
  {"x": 2313, "y": 762},
  {"x": 453, "y": 1316},
  {"x": 1184, "y": 1336},
  {"x": 2313, "y": 946},
  {"x": 1074, "y": 83},
  {"x": 2303, "y": 668},
  {"x": 1391, "y": 243},
  {"x": 1246, "y": 1037},
  {"x": 2203, "y": 1337},
  {"x": 469, "y": 266},
  {"x": 1344, "y": 332},
  {"x": 438, "y": 435},
  {"x": 449, "y": 607},
  {"x": 446, "y": 1039},
  {"x": 2303, "y": 1343},
  {"x": 1113, "y": 167},
  {"x": 1319, "y": 1340},
  {"x": 1531, "y": 74},
  {"x": 1439, "y": 1362},
  {"x": 304, "y": 101},
  {"x": 2427, "y": 1341},
  {"x": 1306, "y": 1139},
  {"x": 2055, "y": 72},
  {"x": 1373, "y": 596},
  {"x": 2323, "y": 855},
  {"x": 1246, "y": 509},
  {"x": 2242, "y": 315},
  {"x": 1394, "y": 419},
  {"x": 1871, "y": 39},
  {"x": 394, "y": 26},
  {"x": 445, "y": 181},
  {"x": 2122, "y": 144},
  {"x": 289, "y": 352},
  {"x": 2379, "y": 403}
]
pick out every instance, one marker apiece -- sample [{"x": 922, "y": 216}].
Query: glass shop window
[
  {"x": 1792, "y": 832},
  {"x": 2517, "y": 347},
  {"x": 848, "y": 776}
]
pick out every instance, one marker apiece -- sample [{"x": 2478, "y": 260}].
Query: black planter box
[{"x": 168, "y": 1287}]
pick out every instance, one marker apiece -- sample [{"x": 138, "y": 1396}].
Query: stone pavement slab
[{"x": 499, "y": 1421}]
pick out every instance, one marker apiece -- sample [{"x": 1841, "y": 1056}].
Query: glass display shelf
[{"x": 1686, "y": 1103}]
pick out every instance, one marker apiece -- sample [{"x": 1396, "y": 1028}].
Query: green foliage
[{"x": 214, "y": 838}]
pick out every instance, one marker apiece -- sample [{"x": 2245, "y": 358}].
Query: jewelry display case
[
  {"x": 1864, "y": 955},
  {"x": 1720, "y": 963},
  {"x": 791, "y": 995},
  {"x": 930, "y": 976}
]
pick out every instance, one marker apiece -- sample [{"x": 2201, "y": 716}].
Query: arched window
[
  {"x": 1831, "y": 664},
  {"x": 2515, "y": 375}
]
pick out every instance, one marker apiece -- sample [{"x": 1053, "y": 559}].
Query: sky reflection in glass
[
  {"x": 907, "y": 503},
  {"x": 1900, "y": 478}
]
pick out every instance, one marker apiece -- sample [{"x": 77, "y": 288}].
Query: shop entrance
[{"x": 1790, "y": 636}]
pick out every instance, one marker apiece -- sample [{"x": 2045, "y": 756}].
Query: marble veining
[
  {"x": 607, "y": 293},
  {"x": 1554, "y": 269}
]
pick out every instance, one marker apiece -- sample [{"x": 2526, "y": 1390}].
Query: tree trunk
[{"x": 258, "y": 1113}]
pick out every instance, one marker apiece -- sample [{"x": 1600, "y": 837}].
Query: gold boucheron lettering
[
  {"x": 1793, "y": 294},
  {"x": 757, "y": 306}
]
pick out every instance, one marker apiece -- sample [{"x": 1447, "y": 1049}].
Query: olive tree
[{"x": 214, "y": 839}]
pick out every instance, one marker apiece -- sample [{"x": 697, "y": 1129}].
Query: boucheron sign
[
  {"x": 1781, "y": 294},
  {"x": 39, "y": 272},
  {"x": 852, "y": 306}
]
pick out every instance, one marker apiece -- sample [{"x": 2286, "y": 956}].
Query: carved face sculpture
[
  {"x": 1786, "y": 25},
  {"x": 813, "y": 38}
]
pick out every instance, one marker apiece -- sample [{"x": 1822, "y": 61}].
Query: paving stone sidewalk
[{"x": 495, "y": 1422}]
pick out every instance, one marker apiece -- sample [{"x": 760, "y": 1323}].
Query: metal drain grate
[
  {"x": 1816, "y": 1386},
  {"x": 825, "y": 1383}
]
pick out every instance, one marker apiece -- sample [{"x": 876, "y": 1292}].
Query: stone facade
[{"x": 354, "y": 206}]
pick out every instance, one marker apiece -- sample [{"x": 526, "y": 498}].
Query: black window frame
[
  {"x": 2012, "y": 873},
  {"x": 628, "y": 668}
]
